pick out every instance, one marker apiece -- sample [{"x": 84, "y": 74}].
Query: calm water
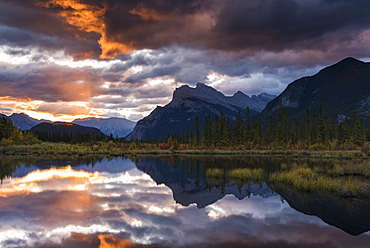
[{"x": 166, "y": 202}]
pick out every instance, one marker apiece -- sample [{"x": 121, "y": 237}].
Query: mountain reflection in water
[{"x": 117, "y": 203}]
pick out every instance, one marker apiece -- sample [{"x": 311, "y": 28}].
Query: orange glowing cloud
[
  {"x": 88, "y": 18},
  {"x": 109, "y": 241},
  {"x": 110, "y": 49}
]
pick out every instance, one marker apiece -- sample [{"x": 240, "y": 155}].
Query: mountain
[
  {"x": 339, "y": 89},
  {"x": 189, "y": 102},
  {"x": 62, "y": 131},
  {"x": 118, "y": 127},
  {"x": 24, "y": 122}
]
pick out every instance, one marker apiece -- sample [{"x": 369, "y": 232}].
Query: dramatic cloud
[{"x": 138, "y": 51}]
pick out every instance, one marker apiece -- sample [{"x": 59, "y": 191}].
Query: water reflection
[
  {"x": 118, "y": 204},
  {"x": 350, "y": 215},
  {"x": 189, "y": 185}
]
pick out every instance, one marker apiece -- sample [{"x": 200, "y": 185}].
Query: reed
[
  {"x": 215, "y": 173},
  {"x": 244, "y": 175},
  {"x": 306, "y": 179},
  {"x": 247, "y": 174}
]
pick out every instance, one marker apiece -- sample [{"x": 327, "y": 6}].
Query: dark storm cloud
[
  {"x": 254, "y": 25},
  {"x": 24, "y": 15},
  {"x": 238, "y": 25},
  {"x": 23, "y": 24},
  {"x": 149, "y": 24},
  {"x": 286, "y": 24}
]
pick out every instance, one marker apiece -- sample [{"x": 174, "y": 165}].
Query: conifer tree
[{"x": 238, "y": 133}]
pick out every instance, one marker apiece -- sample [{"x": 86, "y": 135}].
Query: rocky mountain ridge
[{"x": 187, "y": 103}]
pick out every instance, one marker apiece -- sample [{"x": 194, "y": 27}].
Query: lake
[{"x": 167, "y": 202}]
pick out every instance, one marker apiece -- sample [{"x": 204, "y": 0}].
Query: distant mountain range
[
  {"x": 118, "y": 127},
  {"x": 189, "y": 102},
  {"x": 339, "y": 89}
]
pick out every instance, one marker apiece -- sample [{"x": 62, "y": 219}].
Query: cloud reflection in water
[{"x": 106, "y": 207}]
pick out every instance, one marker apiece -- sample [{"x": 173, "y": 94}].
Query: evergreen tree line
[
  {"x": 75, "y": 138},
  {"x": 312, "y": 131}
]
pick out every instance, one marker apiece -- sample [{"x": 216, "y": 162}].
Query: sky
[{"x": 67, "y": 59}]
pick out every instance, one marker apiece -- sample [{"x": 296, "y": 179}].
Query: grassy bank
[
  {"x": 350, "y": 179},
  {"x": 305, "y": 179},
  {"x": 124, "y": 149}
]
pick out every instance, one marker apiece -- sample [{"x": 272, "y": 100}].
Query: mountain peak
[
  {"x": 340, "y": 66},
  {"x": 203, "y": 85},
  {"x": 201, "y": 91},
  {"x": 239, "y": 93},
  {"x": 20, "y": 115},
  {"x": 351, "y": 60}
]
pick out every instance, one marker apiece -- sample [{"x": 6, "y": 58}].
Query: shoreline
[{"x": 111, "y": 150}]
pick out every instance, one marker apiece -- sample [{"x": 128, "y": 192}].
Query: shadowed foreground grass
[
  {"x": 305, "y": 179},
  {"x": 351, "y": 179},
  {"x": 246, "y": 174}
]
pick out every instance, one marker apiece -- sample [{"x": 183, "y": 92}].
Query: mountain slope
[
  {"x": 188, "y": 102},
  {"x": 118, "y": 127},
  {"x": 24, "y": 122},
  {"x": 62, "y": 131},
  {"x": 339, "y": 88}
]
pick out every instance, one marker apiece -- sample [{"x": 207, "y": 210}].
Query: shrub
[{"x": 318, "y": 147}]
